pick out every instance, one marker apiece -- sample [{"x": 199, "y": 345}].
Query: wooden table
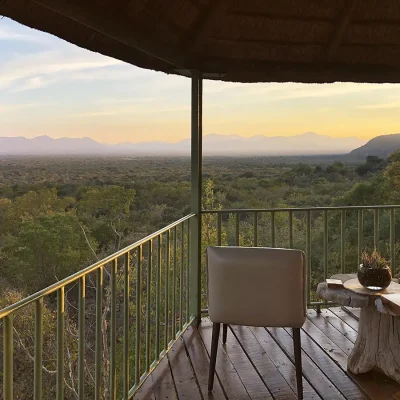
[{"x": 378, "y": 342}]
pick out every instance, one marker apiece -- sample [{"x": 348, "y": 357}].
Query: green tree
[
  {"x": 41, "y": 202},
  {"x": 392, "y": 180},
  {"x": 47, "y": 249},
  {"x": 107, "y": 211}
]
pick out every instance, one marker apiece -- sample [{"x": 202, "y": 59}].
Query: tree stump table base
[{"x": 378, "y": 342}]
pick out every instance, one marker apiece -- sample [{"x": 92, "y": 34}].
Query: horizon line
[{"x": 204, "y": 135}]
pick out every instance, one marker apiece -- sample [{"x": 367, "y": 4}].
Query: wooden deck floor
[{"x": 256, "y": 364}]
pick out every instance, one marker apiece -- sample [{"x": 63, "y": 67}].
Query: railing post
[
  {"x": 393, "y": 241},
  {"x": 38, "y": 393},
  {"x": 81, "y": 337},
  {"x": 342, "y": 241},
  {"x": 196, "y": 175},
  {"x": 308, "y": 254},
  {"x": 8, "y": 349},
  {"x": 99, "y": 332},
  {"x": 360, "y": 234},
  {"x": 113, "y": 330},
  {"x": 60, "y": 342}
]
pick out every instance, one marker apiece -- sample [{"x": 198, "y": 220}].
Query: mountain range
[
  {"x": 380, "y": 146},
  {"x": 308, "y": 143}
]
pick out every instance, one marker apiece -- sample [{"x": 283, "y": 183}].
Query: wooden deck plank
[
  {"x": 201, "y": 363},
  {"x": 256, "y": 364},
  {"x": 377, "y": 385},
  {"x": 163, "y": 382},
  {"x": 374, "y": 384},
  {"x": 270, "y": 375},
  {"x": 320, "y": 382},
  {"x": 331, "y": 332},
  {"x": 283, "y": 364},
  {"x": 254, "y": 385},
  {"x": 334, "y": 351},
  {"x": 339, "y": 324},
  {"x": 345, "y": 317},
  {"x": 355, "y": 312},
  {"x": 226, "y": 372},
  {"x": 330, "y": 367},
  {"x": 184, "y": 379},
  {"x": 146, "y": 391}
]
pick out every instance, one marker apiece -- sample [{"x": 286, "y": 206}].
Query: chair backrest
[{"x": 256, "y": 286}]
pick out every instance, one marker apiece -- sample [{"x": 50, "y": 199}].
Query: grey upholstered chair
[{"x": 256, "y": 286}]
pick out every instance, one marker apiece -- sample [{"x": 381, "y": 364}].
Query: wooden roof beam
[
  {"x": 343, "y": 23},
  {"x": 120, "y": 30}
]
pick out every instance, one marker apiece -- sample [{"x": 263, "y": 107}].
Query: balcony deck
[{"x": 256, "y": 364}]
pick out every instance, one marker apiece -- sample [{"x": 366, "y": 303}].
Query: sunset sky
[{"x": 51, "y": 87}]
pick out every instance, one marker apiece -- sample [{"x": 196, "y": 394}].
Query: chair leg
[
  {"x": 213, "y": 358},
  {"x": 297, "y": 361},
  {"x": 224, "y": 333}
]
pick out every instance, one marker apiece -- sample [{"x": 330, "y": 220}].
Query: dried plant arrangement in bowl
[{"x": 374, "y": 272}]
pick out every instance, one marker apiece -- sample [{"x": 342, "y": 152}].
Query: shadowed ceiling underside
[{"x": 232, "y": 40}]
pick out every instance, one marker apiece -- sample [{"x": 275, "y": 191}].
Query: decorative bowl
[{"x": 374, "y": 278}]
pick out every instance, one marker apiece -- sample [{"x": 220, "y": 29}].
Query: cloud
[
  {"x": 138, "y": 109},
  {"x": 380, "y": 106},
  {"x": 295, "y": 91},
  {"x": 6, "y": 108},
  {"x": 289, "y": 91},
  {"x": 117, "y": 100},
  {"x": 36, "y": 70},
  {"x": 325, "y": 109},
  {"x": 7, "y": 34}
]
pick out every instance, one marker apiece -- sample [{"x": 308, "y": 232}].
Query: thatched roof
[{"x": 233, "y": 40}]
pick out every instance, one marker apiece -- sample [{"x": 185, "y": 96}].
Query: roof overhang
[{"x": 312, "y": 41}]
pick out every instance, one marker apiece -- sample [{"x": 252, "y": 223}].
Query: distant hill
[
  {"x": 45, "y": 145},
  {"x": 308, "y": 143},
  {"x": 380, "y": 146}
]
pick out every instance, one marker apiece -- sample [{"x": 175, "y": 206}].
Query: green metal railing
[
  {"x": 157, "y": 269},
  {"x": 331, "y": 237},
  {"x": 159, "y": 277}
]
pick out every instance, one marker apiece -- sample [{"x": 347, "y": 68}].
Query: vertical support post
[
  {"x": 166, "y": 294},
  {"x": 290, "y": 217},
  {"x": 126, "y": 326},
  {"x": 99, "y": 334},
  {"x": 148, "y": 306},
  {"x": 113, "y": 331},
  {"x": 308, "y": 254},
  {"x": 237, "y": 230},
  {"x": 38, "y": 394},
  {"x": 360, "y": 234},
  {"x": 219, "y": 229},
  {"x": 272, "y": 229},
  {"x": 325, "y": 244},
  {"x": 188, "y": 259},
  {"x": 196, "y": 175},
  {"x": 393, "y": 241},
  {"x": 138, "y": 313},
  {"x": 158, "y": 298},
  {"x": 255, "y": 233},
  {"x": 8, "y": 348},
  {"x": 173, "y": 305},
  {"x": 342, "y": 241},
  {"x": 60, "y": 342},
  {"x": 376, "y": 228},
  {"x": 81, "y": 338},
  {"x": 181, "y": 323}
]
